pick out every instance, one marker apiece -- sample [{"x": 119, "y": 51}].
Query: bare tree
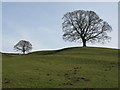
[
  {"x": 85, "y": 26},
  {"x": 23, "y": 46}
]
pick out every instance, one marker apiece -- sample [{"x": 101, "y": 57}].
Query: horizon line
[{"x": 60, "y": 49}]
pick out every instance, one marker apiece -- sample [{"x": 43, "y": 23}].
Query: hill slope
[{"x": 69, "y": 68}]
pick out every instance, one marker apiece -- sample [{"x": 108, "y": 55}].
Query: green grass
[{"x": 67, "y": 68}]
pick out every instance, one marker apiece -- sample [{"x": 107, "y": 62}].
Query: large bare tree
[
  {"x": 85, "y": 26},
  {"x": 23, "y": 46}
]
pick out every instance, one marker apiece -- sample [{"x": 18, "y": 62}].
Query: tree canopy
[
  {"x": 23, "y": 46},
  {"x": 85, "y": 26}
]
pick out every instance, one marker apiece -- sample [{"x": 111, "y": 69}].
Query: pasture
[{"x": 77, "y": 67}]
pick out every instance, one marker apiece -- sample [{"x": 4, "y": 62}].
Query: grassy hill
[{"x": 76, "y": 67}]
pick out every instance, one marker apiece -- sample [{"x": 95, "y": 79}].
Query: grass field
[{"x": 76, "y": 67}]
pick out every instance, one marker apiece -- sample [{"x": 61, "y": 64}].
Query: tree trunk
[
  {"x": 84, "y": 42},
  {"x": 23, "y": 52}
]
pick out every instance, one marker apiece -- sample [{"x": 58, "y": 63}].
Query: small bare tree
[
  {"x": 23, "y": 46},
  {"x": 85, "y": 26}
]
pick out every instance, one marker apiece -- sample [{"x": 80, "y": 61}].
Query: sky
[{"x": 41, "y": 23}]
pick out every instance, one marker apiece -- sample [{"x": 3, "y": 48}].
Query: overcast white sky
[{"x": 41, "y": 23}]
